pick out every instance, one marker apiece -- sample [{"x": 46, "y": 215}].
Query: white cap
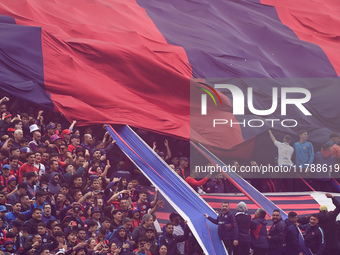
[
  {"x": 33, "y": 128},
  {"x": 60, "y": 251}
]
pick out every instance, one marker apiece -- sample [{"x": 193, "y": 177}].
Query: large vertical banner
[{"x": 177, "y": 192}]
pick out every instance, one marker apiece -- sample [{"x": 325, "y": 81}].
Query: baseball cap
[
  {"x": 50, "y": 126},
  {"x": 94, "y": 210},
  {"x": 7, "y": 115},
  {"x": 135, "y": 209},
  {"x": 66, "y": 132},
  {"x": 8, "y": 241},
  {"x": 183, "y": 158},
  {"x": 55, "y": 137},
  {"x": 11, "y": 178},
  {"x": 77, "y": 207},
  {"x": 3, "y": 208},
  {"x": 6, "y": 167},
  {"x": 25, "y": 149}
]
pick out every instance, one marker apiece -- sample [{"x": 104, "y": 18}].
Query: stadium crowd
[{"x": 65, "y": 190}]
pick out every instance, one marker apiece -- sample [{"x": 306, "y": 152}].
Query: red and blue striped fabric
[
  {"x": 130, "y": 62},
  {"x": 177, "y": 192},
  {"x": 303, "y": 205}
]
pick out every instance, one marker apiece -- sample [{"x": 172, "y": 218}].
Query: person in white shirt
[
  {"x": 285, "y": 151},
  {"x": 37, "y": 163}
]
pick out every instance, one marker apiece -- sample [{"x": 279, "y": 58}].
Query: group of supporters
[
  {"x": 242, "y": 235},
  {"x": 63, "y": 191},
  {"x": 317, "y": 167}
]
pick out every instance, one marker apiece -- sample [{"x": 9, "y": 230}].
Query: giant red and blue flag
[{"x": 130, "y": 62}]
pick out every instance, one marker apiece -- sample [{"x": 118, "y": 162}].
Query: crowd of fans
[{"x": 65, "y": 190}]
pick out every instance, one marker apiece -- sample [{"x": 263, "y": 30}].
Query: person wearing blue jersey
[
  {"x": 13, "y": 215},
  {"x": 304, "y": 153}
]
